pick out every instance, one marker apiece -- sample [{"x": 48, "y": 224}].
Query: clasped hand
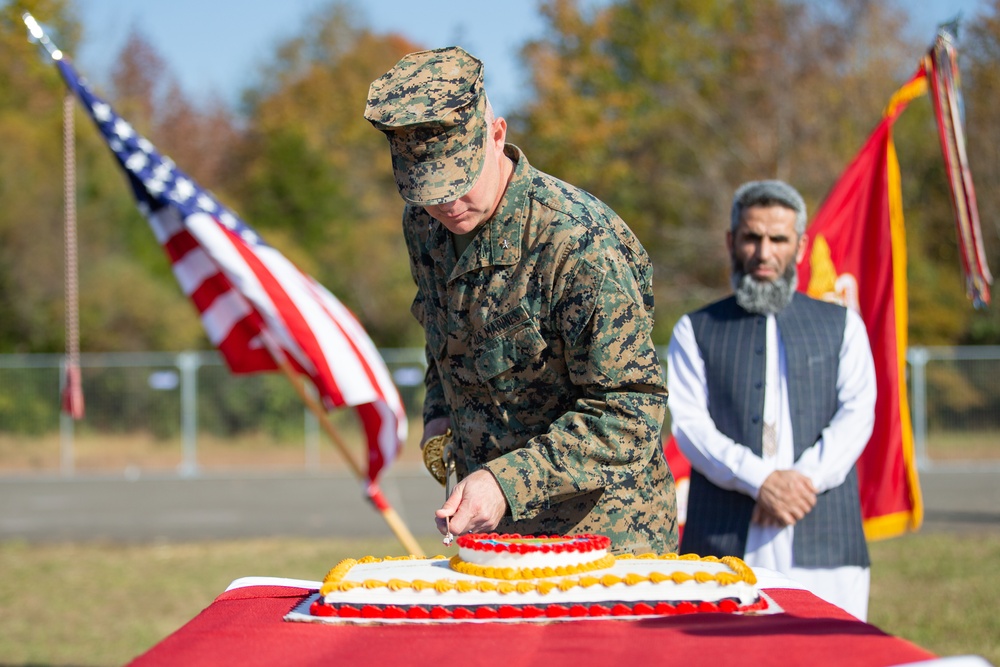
[{"x": 785, "y": 497}]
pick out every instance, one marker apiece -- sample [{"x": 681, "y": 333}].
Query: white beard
[{"x": 764, "y": 297}]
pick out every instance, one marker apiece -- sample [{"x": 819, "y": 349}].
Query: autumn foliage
[{"x": 658, "y": 107}]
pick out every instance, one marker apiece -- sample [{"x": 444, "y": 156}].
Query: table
[{"x": 244, "y": 626}]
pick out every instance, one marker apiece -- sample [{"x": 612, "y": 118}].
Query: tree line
[{"x": 659, "y": 107}]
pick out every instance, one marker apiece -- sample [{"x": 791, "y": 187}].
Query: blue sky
[{"x": 214, "y": 47}]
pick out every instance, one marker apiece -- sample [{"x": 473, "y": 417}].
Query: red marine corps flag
[
  {"x": 856, "y": 256},
  {"x": 258, "y": 308}
]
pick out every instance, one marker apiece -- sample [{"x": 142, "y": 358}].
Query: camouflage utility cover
[
  {"x": 432, "y": 108},
  {"x": 539, "y": 351}
]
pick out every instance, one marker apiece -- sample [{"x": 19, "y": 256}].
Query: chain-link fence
[
  {"x": 183, "y": 412},
  {"x": 955, "y": 404},
  {"x": 186, "y": 413}
]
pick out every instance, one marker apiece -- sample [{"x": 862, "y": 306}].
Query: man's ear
[
  {"x": 499, "y": 130},
  {"x": 801, "y": 251},
  {"x": 729, "y": 241}
]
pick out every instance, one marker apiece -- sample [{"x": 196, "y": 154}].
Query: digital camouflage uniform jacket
[{"x": 539, "y": 351}]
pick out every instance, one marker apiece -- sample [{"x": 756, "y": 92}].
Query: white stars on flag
[
  {"x": 183, "y": 190},
  {"x": 229, "y": 220},
  {"x": 123, "y": 130},
  {"x": 102, "y": 111},
  {"x": 206, "y": 203},
  {"x": 154, "y": 186},
  {"x": 136, "y": 162}
]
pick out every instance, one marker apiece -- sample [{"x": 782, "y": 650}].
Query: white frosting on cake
[{"x": 410, "y": 582}]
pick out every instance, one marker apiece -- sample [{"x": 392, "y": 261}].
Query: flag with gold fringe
[{"x": 856, "y": 256}]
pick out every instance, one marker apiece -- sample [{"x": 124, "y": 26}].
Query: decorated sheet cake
[{"x": 515, "y": 578}]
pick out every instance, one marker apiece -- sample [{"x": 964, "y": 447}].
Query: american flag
[{"x": 253, "y": 302}]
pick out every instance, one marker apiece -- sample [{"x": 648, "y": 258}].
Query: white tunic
[{"x": 733, "y": 466}]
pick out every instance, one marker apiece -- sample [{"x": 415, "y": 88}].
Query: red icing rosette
[{"x": 529, "y": 544}]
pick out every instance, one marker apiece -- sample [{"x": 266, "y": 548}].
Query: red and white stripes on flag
[{"x": 255, "y": 305}]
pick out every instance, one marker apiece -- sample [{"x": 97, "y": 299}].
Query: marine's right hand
[{"x": 475, "y": 506}]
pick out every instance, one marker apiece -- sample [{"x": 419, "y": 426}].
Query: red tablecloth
[{"x": 244, "y": 627}]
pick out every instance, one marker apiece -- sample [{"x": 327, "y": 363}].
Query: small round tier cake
[{"x": 516, "y": 557}]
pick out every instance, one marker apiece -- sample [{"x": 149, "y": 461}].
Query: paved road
[
  {"x": 240, "y": 506},
  {"x": 961, "y": 501},
  {"x": 208, "y": 507}
]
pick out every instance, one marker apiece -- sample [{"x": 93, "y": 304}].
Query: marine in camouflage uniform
[{"x": 539, "y": 334}]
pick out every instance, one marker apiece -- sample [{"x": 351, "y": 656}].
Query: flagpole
[
  {"x": 389, "y": 514},
  {"x": 72, "y": 400},
  {"x": 375, "y": 495},
  {"x": 71, "y": 391}
]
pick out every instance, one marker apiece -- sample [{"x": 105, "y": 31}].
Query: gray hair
[{"x": 768, "y": 193}]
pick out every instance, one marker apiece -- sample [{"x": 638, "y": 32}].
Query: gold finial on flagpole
[{"x": 37, "y": 34}]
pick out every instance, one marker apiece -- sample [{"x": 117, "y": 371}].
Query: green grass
[
  {"x": 78, "y": 604},
  {"x": 105, "y": 604},
  {"x": 939, "y": 591}
]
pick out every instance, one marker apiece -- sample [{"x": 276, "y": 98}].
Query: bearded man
[{"x": 772, "y": 399}]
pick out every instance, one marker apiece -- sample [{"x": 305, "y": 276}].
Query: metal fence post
[
  {"x": 918, "y": 356},
  {"x": 188, "y": 363}
]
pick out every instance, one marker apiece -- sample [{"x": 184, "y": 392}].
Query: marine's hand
[
  {"x": 433, "y": 428},
  {"x": 475, "y": 506},
  {"x": 785, "y": 497}
]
